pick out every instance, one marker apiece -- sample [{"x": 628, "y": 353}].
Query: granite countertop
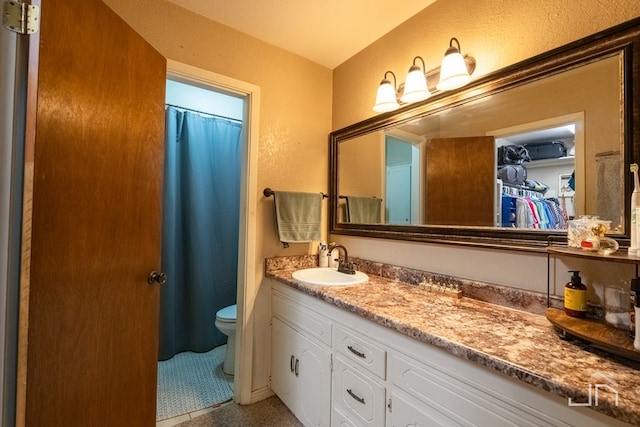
[{"x": 517, "y": 343}]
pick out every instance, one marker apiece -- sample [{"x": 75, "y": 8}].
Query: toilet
[{"x": 226, "y": 323}]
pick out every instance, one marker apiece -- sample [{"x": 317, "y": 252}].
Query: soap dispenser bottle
[
  {"x": 323, "y": 255},
  {"x": 575, "y": 296}
]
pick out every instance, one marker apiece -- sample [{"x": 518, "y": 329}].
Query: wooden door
[
  {"x": 460, "y": 181},
  {"x": 95, "y": 154}
]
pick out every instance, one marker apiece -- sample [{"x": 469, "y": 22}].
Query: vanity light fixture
[
  {"x": 415, "y": 86},
  {"x": 386, "y": 98},
  {"x": 453, "y": 71}
]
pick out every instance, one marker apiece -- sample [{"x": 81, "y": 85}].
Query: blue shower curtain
[{"x": 200, "y": 229}]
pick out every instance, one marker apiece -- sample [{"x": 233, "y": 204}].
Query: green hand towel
[
  {"x": 298, "y": 216},
  {"x": 364, "y": 210}
]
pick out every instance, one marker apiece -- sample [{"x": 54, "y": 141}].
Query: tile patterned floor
[{"x": 186, "y": 417}]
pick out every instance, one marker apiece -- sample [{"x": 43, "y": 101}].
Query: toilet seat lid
[{"x": 227, "y": 314}]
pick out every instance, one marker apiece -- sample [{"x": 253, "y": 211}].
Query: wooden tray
[{"x": 598, "y": 333}]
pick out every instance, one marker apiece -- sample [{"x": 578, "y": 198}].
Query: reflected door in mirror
[{"x": 460, "y": 181}]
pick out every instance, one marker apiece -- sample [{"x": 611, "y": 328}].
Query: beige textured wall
[
  {"x": 295, "y": 110},
  {"x": 295, "y": 119},
  {"x": 497, "y": 33},
  {"x": 361, "y": 166},
  {"x": 360, "y": 169}
]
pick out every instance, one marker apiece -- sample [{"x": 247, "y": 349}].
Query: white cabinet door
[
  {"x": 301, "y": 375},
  {"x": 283, "y": 378},
  {"x": 314, "y": 385}
]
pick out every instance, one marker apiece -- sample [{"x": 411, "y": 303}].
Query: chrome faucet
[{"x": 345, "y": 266}]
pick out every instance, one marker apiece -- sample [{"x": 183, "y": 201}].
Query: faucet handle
[{"x": 346, "y": 267}]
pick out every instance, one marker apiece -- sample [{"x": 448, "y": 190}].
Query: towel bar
[
  {"x": 346, "y": 197},
  {"x": 269, "y": 192}
]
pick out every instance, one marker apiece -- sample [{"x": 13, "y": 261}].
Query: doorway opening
[
  {"x": 244, "y": 101},
  {"x": 203, "y": 145},
  {"x": 403, "y": 185},
  {"x": 553, "y": 171}
]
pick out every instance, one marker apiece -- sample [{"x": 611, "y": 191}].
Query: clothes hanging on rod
[
  {"x": 204, "y": 113},
  {"x": 543, "y": 214},
  {"x": 525, "y": 208}
]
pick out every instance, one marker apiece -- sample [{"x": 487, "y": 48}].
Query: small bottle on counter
[
  {"x": 575, "y": 297},
  {"x": 323, "y": 255}
]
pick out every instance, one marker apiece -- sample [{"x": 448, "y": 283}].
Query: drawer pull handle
[
  {"x": 356, "y": 352},
  {"x": 355, "y": 396},
  {"x": 296, "y": 368},
  {"x": 291, "y": 363}
]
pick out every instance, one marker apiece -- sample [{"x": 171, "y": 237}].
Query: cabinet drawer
[
  {"x": 457, "y": 399},
  {"x": 301, "y": 318},
  {"x": 360, "y": 351},
  {"x": 407, "y": 411},
  {"x": 339, "y": 419},
  {"x": 357, "y": 396}
]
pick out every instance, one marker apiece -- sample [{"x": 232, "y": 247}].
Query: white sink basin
[{"x": 323, "y": 276}]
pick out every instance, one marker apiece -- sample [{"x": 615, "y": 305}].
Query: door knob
[{"x": 156, "y": 278}]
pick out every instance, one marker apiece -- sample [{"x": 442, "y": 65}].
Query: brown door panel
[{"x": 97, "y": 139}]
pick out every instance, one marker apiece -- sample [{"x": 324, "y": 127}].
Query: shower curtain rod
[{"x": 204, "y": 113}]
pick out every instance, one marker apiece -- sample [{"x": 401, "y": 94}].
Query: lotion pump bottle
[
  {"x": 575, "y": 297},
  {"x": 323, "y": 256}
]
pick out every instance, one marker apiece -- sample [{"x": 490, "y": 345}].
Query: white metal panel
[{"x": 13, "y": 54}]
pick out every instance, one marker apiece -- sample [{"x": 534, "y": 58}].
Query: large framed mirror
[{"x": 506, "y": 161}]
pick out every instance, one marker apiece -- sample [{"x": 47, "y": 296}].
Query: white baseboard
[{"x": 261, "y": 394}]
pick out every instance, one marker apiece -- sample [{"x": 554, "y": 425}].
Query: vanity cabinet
[
  {"x": 364, "y": 374},
  {"x": 300, "y": 366}
]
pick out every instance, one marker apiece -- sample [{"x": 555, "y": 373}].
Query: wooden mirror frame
[{"x": 623, "y": 38}]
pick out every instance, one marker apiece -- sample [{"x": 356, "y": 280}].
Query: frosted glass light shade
[
  {"x": 415, "y": 86},
  {"x": 386, "y": 97},
  {"x": 453, "y": 72}
]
